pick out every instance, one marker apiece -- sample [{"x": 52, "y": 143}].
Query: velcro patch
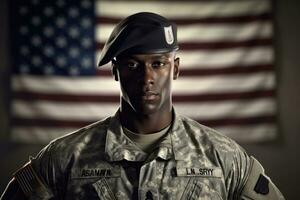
[
  {"x": 31, "y": 183},
  {"x": 262, "y": 185}
]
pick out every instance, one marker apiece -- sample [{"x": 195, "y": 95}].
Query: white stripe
[
  {"x": 106, "y": 85},
  {"x": 221, "y": 58},
  {"x": 183, "y": 9},
  {"x": 63, "y": 111},
  {"x": 56, "y": 85},
  {"x": 96, "y": 111},
  {"x": 214, "y": 33},
  {"x": 224, "y": 83},
  {"x": 206, "y": 32},
  {"x": 250, "y": 133},
  {"x": 225, "y": 109},
  {"x": 224, "y": 58},
  {"x": 38, "y": 134}
]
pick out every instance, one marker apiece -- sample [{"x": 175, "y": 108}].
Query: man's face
[{"x": 146, "y": 80}]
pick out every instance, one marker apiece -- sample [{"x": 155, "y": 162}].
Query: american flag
[{"x": 227, "y": 78}]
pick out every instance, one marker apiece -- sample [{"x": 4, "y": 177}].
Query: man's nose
[{"x": 147, "y": 75}]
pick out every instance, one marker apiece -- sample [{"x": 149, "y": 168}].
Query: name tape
[
  {"x": 202, "y": 171},
  {"x": 95, "y": 173}
]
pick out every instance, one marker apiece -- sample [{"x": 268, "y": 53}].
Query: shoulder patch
[
  {"x": 31, "y": 184},
  {"x": 262, "y": 185}
]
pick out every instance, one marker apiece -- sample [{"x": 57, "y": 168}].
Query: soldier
[{"x": 146, "y": 150}]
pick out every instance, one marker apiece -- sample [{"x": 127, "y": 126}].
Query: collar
[{"x": 118, "y": 147}]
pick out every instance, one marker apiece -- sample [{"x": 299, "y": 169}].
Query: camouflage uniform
[{"x": 192, "y": 162}]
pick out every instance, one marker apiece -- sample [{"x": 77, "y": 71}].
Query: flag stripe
[
  {"x": 36, "y": 96},
  {"x": 250, "y": 133},
  {"x": 80, "y": 123},
  {"x": 205, "y": 33},
  {"x": 244, "y": 133},
  {"x": 32, "y": 133},
  {"x": 223, "y": 58},
  {"x": 208, "y": 20},
  {"x": 170, "y": 10},
  {"x": 233, "y": 83},
  {"x": 210, "y": 71},
  {"x": 94, "y": 111},
  {"x": 216, "y": 45}
]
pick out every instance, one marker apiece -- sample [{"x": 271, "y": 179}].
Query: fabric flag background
[{"x": 227, "y": 78}]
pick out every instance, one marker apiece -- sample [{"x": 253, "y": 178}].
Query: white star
[
  {"x": 86, "y": 62},
  {"x": 86, "y": 22},
  {"x": 24, "y": 69},
  {"x": 23, "y": 10},
  {"x": 24, "y": 50},
  {"x": 86, "y": 42},
  {"x": 73, "y": 12},
  {"x": 36, "y": 41},
  {"x": 61, "y": 41},
  {"x": 24, "y": 30},
  {"x": 36, "y": 61},
  {"x": 61, "y": 61},
  {"x": 48, "y": 51},
  {"x": 48, "y": 11},
  {"x": 86, "y": 4},
  {"x": 36, "y": 20},
  {"x": 48, "y": 31},
  {"x": 74, "y": 52},
  {"x": 60, "y": 22},
  {"x": 74, "y": 70},
  {"x": 74, "y": 32},
  {"x": 49, "y": 70}
]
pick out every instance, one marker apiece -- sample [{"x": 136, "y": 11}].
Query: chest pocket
[
  {"x": 103, "y": 190},
  {"x": 197, "y": 189},
  {"x": 201, "y": 182},
  {"x": 94, "y": 183}
]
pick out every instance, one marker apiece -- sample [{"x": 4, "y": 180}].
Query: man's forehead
[{"x": 147, "y": 56}]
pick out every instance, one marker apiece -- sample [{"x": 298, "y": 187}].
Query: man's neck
[{"x": 144, "y": 123}]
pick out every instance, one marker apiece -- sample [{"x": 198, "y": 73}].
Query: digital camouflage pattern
[{"x": 100, "y": 162}]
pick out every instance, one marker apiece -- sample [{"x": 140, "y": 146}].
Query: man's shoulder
[
  {"x": 70, "y": 148},
  {"x": 209, "y": 137},
  {"x": 82, "y": 138}
]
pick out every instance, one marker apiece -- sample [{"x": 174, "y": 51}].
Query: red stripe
[
  {"x": 215, "y": 45},
  {"x": 211, "y": 71},
  {"x": 34, "y": 96},
  {"x": 80, "y": 123},
  {"x": 208, "y": 20}
]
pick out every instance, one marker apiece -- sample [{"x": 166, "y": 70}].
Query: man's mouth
[{"x": 149, "y": 95}]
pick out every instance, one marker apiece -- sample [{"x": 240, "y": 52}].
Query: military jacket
[{"x": 192, "y": 162}]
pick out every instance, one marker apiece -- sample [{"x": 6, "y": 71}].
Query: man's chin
[{"x": 147, "y": 109}]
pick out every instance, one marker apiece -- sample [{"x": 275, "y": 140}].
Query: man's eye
[
  {"x": 132, "y": 65},
  {"x": 158, "y": 64}
]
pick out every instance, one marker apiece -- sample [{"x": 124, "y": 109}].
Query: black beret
[{"x": 140, "y": 33}]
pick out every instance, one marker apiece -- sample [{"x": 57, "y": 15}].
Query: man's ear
[
  {"x": 114, "y": 70},
  {"x": 176, "y": 68}
]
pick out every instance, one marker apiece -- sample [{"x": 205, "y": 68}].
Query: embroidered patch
[{"x": 169, "y": 34}]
